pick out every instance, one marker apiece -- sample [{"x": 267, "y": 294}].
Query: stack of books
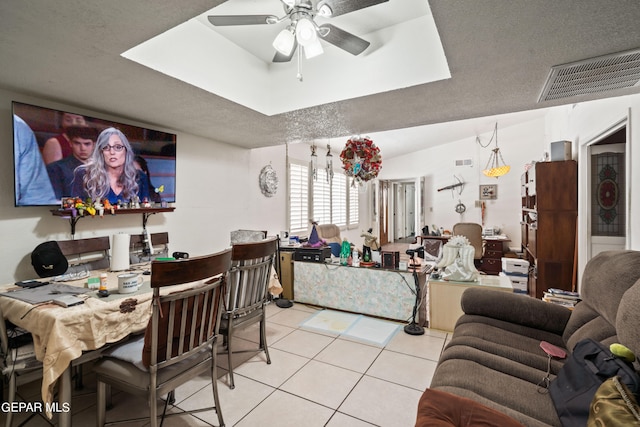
[{"x": 561, "y": 297}]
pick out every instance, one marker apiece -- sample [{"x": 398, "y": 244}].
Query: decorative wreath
[{"x": 361, "y": 159}]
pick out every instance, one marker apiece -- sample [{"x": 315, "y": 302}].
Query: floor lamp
[{"x": 413, "y": 328}]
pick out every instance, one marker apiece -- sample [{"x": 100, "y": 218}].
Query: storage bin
[{"x": 515, "y": 265}]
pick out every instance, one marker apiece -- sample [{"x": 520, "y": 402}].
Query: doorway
[
  {"x": 404, "y": 215},
  {"x": 608, "y": 202}
]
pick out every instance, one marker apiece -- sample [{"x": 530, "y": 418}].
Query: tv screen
[{"x": 61, "y": 154}]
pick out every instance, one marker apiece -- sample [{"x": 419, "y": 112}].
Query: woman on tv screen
[{"x": 110, "y": 173}]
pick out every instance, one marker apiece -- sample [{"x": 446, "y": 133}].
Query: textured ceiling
[{"x": 499, "y": 54}]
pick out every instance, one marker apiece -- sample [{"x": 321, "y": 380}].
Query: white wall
[
  {"x": 519, "y": 145},
  {"x": 581, "y": 123},
  {"x": 214, "y": 191}
]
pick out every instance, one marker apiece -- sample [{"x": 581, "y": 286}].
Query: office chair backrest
[{"x": 473, "y": 233}]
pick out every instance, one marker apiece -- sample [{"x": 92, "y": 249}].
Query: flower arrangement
[{"x": 361, "y": 159}]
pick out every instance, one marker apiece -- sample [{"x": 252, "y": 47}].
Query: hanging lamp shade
[{"x": 494, "y": 169}]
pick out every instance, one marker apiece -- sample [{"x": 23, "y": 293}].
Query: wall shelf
[{"x": 145, "y": 212}]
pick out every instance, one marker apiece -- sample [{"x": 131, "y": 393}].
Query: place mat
[{"x": 355, "y": 327}]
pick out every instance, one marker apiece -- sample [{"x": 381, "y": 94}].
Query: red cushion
[{"x": 441, "y": 409}]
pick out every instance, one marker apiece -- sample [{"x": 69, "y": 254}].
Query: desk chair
[
  {"x": 473, "y": 233},
  {"x": 180, "y": 341},
  {"x": 247, "y": 293},
  {"x": 19, "y": 366}
]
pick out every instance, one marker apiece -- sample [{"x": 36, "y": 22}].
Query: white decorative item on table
[{"x": 457, "y": 260}]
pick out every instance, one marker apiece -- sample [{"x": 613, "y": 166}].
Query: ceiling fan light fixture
[
  {"x": 325, "y": 11},
  {"x": 312, "y": 50},
  {"x": 289, "y": 3},
  {"x": 306, "y": 33},
  {"x": 284, "y": 42}
]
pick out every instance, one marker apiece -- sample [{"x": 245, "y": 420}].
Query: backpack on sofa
[{"x": 589, "y": 365}]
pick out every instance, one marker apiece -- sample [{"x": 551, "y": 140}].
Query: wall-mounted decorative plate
[{"x": 268, "y": 181}]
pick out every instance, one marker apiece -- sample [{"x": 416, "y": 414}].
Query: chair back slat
[
  {"x": 249, "y": 283},
  {"x": 186, "y": 321}
]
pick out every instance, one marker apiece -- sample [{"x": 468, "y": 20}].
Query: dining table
[{"x": 64, "y": 337}]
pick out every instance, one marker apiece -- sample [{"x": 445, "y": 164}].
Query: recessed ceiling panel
[{"x": 235, "y": 62}]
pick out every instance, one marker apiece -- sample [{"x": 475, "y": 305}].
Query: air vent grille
[
  {"x": 464, "y": 162},
  {"x": 605, "y": 73}
]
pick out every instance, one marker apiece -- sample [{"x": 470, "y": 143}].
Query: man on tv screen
[
  {"x": 32, "y": 185},
  {"x": 82, "y": 140}
]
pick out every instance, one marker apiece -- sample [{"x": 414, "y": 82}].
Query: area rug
[{"x": 352, "y": 326}]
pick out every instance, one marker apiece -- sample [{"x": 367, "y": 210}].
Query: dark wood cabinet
[
  {"x": 549, "y": 218},
  {"x": 494, "y": 250}
]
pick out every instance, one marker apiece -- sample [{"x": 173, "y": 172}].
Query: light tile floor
[{"x": 315, "y": 379}]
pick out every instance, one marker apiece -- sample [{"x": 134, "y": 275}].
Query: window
[
  {"x": 317, "y": 200},
  {"x": 298, "y": 197}
]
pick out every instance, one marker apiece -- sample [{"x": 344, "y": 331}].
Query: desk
[
  {"x": 61, "y": 335},
  {"x": 383, "y": 293},
  {"x": 444, "y": 298}
]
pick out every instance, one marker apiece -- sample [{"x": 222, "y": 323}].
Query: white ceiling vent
[
  {"x": 464, "y": 162},
  {"x": 601, "y": 74}
]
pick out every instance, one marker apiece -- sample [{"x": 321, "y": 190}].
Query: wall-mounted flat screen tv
[{"x": 62, "y": 154}]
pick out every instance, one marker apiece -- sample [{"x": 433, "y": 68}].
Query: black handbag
[{"x": 590, "y": 364}]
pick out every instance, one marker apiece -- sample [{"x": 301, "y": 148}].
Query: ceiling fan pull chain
[{"x": 299, "y": 75}]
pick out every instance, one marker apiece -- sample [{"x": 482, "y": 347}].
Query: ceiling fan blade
[
  {"x": 340, "y": 7},
  {"x": 280, "y": 57},
  {"x": 225, "y": 20},
  {"x": 345, "y": 40}
]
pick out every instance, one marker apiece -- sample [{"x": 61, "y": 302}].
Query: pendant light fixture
[{"x": 496, "y": 167}]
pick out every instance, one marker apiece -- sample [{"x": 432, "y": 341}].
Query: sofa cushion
[
  {"x": 628, "y": 319},
  {"x": 441, "y": 409},
  {"x": 504, "y": 358},
  {"x": 515, "y": 309},
  {"x": 520, "y": 399},
  {"x": 606, "y": 277}
]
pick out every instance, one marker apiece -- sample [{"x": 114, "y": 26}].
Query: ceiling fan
[{"x": 302, "y": 28}]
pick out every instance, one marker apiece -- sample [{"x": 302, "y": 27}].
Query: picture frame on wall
[{"x": 488, "y": 192}]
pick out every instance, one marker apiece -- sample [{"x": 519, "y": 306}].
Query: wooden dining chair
[
  {"x": 92, "y": 252},
  {"x": 181, "y": 338},
  {"x": 139, "y": 249},
  {"x": 247, "y": 294}
]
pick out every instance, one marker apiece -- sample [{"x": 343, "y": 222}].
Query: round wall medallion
[{"x": 268, "y": 181}]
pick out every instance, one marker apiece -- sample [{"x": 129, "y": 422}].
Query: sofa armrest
[{"x": 514, "y": 308}]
